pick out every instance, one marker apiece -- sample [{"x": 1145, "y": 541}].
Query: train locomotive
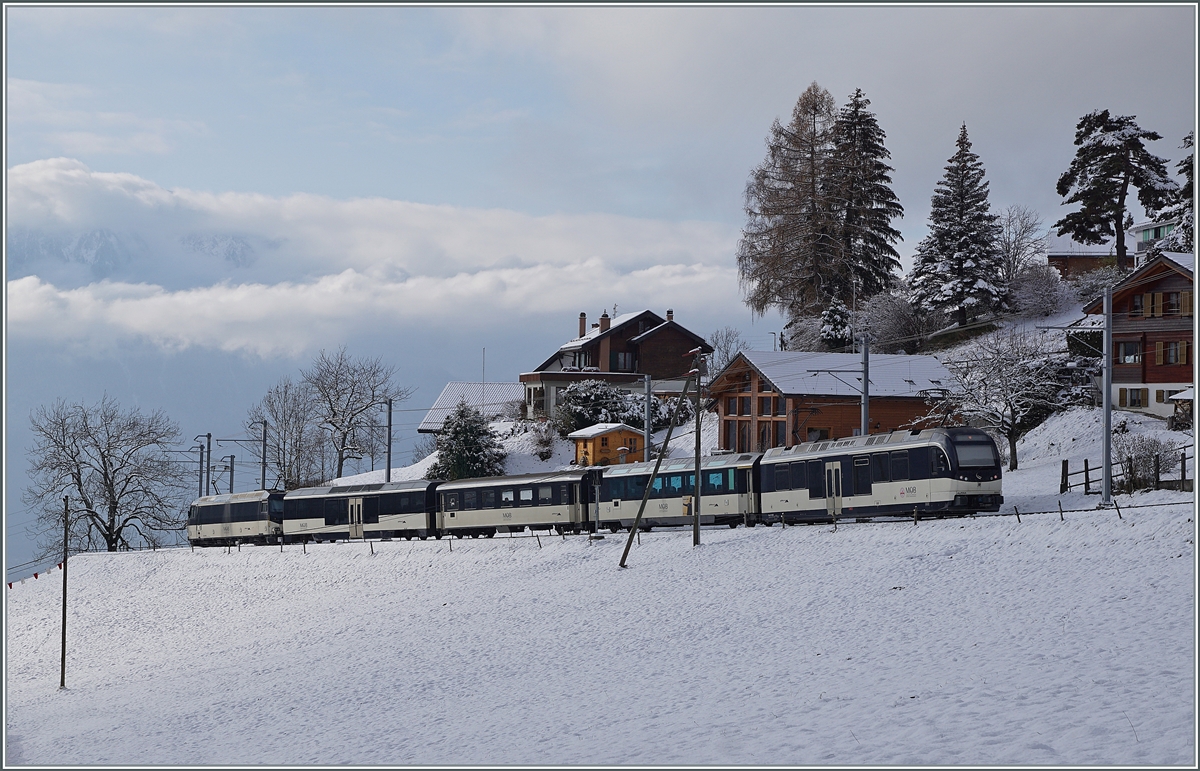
[{"x": 936, "y": 472}]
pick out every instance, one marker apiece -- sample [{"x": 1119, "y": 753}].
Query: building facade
[{"x": 601, "y": 444}]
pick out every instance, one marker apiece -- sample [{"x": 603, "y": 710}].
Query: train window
[
  {"x": 545, "y": 495},
  {"x": 899, "y": 466},
  {"x": 451, "y": 501},
  {"x": 337, "y": 511},
  {"x": 798, "y": 480},
  {"x": 862, "y": 475},
  {"x": 564, "y": 495},
  {"x": 976, "y": 455},
  {"x": 938, "y": 463},
  {"x": 879, "y": 467},
  {"x": 370, "y": 510},
  {"x": 816, "y": 479},
  {"x": 469, "y": 498},
  {"x": 525, "y": 496},
  {"x": 919, "y": 463},
  {"x": 656, "y": 489},
  {"x": 783, "y": 477},
  {"x": 714, "y": 483},
  {"x": 489, "y": 499},
  {"x": 506, "y": 499}
]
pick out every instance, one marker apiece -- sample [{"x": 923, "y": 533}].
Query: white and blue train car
[
  {"x": 930, "y": 473},
  {"x": 484, "y": 506},
  {"x": 223, "y": 520},
  {"x": 726, "y": 493}
]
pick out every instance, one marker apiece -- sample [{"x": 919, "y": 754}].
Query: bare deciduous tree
[
  {"x": 348, "y": 393},
  {"x": 125, "y": 489},
  {"x": 1007, "y": 381},
  {"x": 294, "y": 444},
  {"x": 1023, "y": 238},
  {"x": 726, "y": 343}
]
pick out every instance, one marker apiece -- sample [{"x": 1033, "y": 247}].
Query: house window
[
  {"x": 743, "y": 444},
  {"x": 764, "y": 436},
  {"x": 780, "y": 433},
  {"x": 744, "y": 406},
  {"x": 1135, "y": 397},
  {"x": 731, "y": 405},
  {"x": 604, "y": 441},
  {"x": 1171, "y": 305},
  {"x": 764, "y": 405},
  {"x": 1129, "y": 353},
  {"x": 730, "y": 435},
  {"x": 1136, "y": 306},
  {"x": 624, "y": 362},
  {"x": 817, "y": 434}
]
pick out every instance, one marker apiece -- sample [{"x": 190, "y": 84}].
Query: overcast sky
[{"x": 199, "y": 199}]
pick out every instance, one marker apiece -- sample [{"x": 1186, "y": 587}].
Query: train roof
[
  {"x": 894, "y": 439},
  {"x": 673, "y": 465},
  {"x": 249, "y": 497},
  {"x": 308, "y": 492},
  {"x": 516, "y": 481}
]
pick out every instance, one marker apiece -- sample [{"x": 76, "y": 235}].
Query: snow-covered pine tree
[
  {"x": 835, "y": 326},
  {"x": 867, "y": 201},
  {"x": 957, "y": 265},
  {"x": 466, "y": 447},
  {"x": 1183, "y": 210},
  {"x": 788, "y": 256},
  {"x": 1110, "y": 157}
]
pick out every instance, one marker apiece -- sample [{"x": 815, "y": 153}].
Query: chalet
[
  {"x": 601, "y": 444},
  {"x": 494, "y": 400},
  {"x": 779, "y": 399},
  {"x": 1152, "y": 312},
  {"x": 1071, "y": 258},
  {"x": 620, "y": 351}
]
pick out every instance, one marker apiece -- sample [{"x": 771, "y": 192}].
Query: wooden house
[
  {"x": 1152, "y": 318},
  {"x": 779, "y": 399},
  {"x": 601, "y": 444}
]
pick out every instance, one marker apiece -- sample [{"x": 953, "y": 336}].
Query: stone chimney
[
  {"x": 605, "y": 321},
  {"x": 582, "y": 324},
  {"x": 670, "y": 315}
]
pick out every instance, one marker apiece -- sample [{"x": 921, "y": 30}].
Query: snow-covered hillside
[{"x": 975, "y": 641}]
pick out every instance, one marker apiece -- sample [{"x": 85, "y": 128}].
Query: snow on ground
[{"x": 974, "y": 641}]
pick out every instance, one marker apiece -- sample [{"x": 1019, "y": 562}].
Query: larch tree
[
  {"x": 788, "y": 255},
  {"x": 726, "y": 343},
  {"x": 1022, "y": 239},
  {"x": 294, "y": 442},
  {"x": 466, "y": 447},
  {"x": 1110, "y": 157},
  {"x": 868, "y": 204},
  {"x": 957, "y": 266},
  {"x": 116, "y": 468},
  {"x": 1182, "y": 210}
]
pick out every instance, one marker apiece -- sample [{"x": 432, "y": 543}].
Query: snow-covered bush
[
  {"x": 589, "y": 402},
  {"x": 1088, "y": 286},
  {"x": 1136, "y": 452},
  {"x": 1038, "y": 290},
  {"x": 544, "y": 436}
]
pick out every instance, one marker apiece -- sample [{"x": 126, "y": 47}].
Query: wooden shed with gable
[{"x": 600, "y": 445}]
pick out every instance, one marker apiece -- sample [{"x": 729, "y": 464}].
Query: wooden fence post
[
  {"x": 1064, "y": 485},
  {"x": 1157, "y": 479},
  {"x": 1087, "y": 482}
]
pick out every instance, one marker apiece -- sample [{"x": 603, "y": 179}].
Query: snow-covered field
[{"x": 975, "y": 641}]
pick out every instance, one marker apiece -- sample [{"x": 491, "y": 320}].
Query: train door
[
  {"x": 356, "y": 517},
  {"x": 833, "y": 489}
]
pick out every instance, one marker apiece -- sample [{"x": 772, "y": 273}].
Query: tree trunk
[
  {"x": 1012, "y": 452},
  {"x": 1122, "y": 258}
]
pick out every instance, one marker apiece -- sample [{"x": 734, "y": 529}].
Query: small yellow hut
[{"x": 600, "y": 445}]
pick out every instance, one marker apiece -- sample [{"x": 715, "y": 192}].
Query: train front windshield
[{"x": 976, "y": 455}]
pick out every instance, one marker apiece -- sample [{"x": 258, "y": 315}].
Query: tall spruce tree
[
  {"x": 868, "y": 203},
  {"x": 466, "y": 447},
  {"x": 1110, "y": 157},
  {"x": 958, "y": 264},
  {"x": 788, "y": 254},
  {"x": 1182, "y": 211}
]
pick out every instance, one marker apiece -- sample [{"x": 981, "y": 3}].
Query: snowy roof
[
  {"x": 791, "y": 372},
  {"x": 594, "y": 332},
  {"x": 1065, "y": 246},
  {"x": 489, "y": 398},
  {"x": 1185, "y": 395},
  {"x": 1183, "y": 260},
  {"x": 600, "y": 428}
]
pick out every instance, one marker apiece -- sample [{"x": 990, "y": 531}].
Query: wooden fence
[{"x": 1092, "y": 476}]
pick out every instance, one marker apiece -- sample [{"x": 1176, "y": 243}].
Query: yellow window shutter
[
  {"x": 1147, "y": 305},
  {"x": 1158, "y": 396},
  {"x": 1183, "y": 351},
  {"x": 1185, "y": 303},
  {"x": 1122, "y": 397},
  {"x": 1145, "y": 397},
  {"x": 1158, "y": 304},
  {"x": 1158, "y": 352}
]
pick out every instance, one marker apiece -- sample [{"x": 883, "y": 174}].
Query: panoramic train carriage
[
  {"x": 726, "y": 492},
  {"x": 381, "y": 510},
  {"x": 220, "y": 520},
  {"x": 936, "y": 472},
  {"x": 485, "y": 506}
]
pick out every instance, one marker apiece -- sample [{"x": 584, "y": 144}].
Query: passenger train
[{"x": 932, "y": 473}]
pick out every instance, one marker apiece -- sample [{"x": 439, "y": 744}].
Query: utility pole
[
  {"x": 657, "y": 464},
  {"x": 208, "y": 469},
  {"x": 263, "y": 478},
  {"x": 387, "y": 474},
  {"x": 200, "y": 483},
  {"x": 866, "y": 386},
  {"x": 646, "y": 428},
  {"x": 231, "y": 459},
  {"x": 1106, "y": 487},
  {"x": 62, "y": 672},
  {"x": 698, "y": 365}
]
